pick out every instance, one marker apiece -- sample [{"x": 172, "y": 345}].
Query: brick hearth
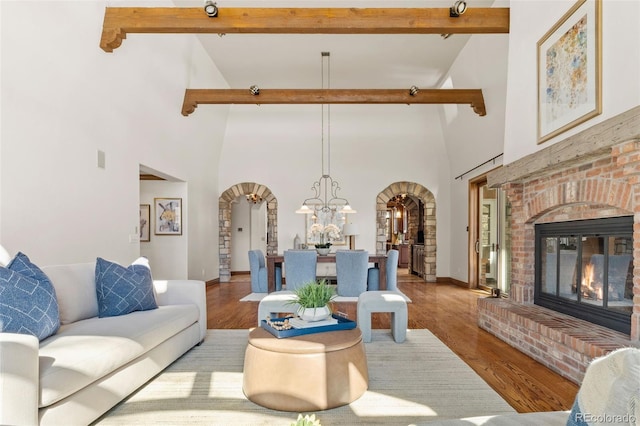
[
  {"x": 593, "y": 174},
  {"x": 563, "y": 343}
]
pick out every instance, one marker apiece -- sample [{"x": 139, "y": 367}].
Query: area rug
[
  {"x": 253, "y": 297},
  {"x": 410, "y": 383}
]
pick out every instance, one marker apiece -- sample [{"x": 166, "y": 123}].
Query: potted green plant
[{"x": 313, "y": 299}]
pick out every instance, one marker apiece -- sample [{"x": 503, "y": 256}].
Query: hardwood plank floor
[{"x": 450, "y": 313}]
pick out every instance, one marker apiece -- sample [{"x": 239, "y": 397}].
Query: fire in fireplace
[{"x": 585, "y": 269}]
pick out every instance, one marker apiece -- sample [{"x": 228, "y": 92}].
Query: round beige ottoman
[{"x": 305, "y": 373}]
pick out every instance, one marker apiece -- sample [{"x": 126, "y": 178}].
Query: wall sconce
[
  {"x": 458, "y": 8},
  {"x": 413, "y": 90},
  {"x": 254, "y": 90},
  {"x": 211, "y": 9}
]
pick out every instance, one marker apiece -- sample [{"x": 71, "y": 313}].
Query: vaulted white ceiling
[{"x": 357, "y": 61}]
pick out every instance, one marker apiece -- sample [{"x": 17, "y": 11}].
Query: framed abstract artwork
[
  {"x": 145, "y": 222},
  {"x": 569, "y": 70},
  {"x": 168, "y": 216}
]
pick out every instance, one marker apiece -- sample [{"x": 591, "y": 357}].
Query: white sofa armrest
[
  {"x": 19, "y": 365},
  {"x": 178, "y": 292}
]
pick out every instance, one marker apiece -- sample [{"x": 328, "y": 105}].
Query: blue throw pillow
[
  {"x": 28, "y": 303},
  {"x": 123, "y": 290}
]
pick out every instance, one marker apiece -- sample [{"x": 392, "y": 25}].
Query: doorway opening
[
  {"x": 421, "y": 257},
  {"x": 225, "y": 202}
]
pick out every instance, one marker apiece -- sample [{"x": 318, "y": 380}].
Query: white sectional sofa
[{"x": 90, "y": 364}]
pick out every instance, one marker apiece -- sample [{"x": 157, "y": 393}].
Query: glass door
[
  {"x": 489, "y": 237},
  {"x": 488, "y": 244}
]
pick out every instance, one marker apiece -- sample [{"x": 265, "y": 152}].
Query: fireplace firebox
[{"x": 584, "y": 268}]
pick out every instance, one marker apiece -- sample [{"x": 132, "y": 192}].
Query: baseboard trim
[{"x": 452, "y": 281}]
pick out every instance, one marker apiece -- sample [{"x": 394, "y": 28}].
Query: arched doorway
[
  {"x": 250, "y": 189},
  {"x": 429, "y": 221}
]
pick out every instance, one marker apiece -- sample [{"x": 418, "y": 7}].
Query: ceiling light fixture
[
  {"x": 458, "y": 8},
  {"x": 211, "y": 9},
  {"x": 326, "y": 199},
  {"x": 253, "y": 198},
  {"x": 413, "y": 90},
  {"x": 254, "y": 90}
]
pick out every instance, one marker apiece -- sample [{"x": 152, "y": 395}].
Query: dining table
[{"x": 273, "y": 260}]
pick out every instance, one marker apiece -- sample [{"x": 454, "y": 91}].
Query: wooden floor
[{"x": 450, "y": 313}]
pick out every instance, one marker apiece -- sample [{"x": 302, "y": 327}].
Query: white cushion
[
  {"x": 88, "y": 350},
  {"x": 611, "y": 387},
  {"x": 75, "y": 286},
  {"x": 5, "y": 257}
]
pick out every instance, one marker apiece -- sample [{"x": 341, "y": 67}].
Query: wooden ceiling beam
[
  {"x": 195, "y": 97},
  {"x": 120, "y": 21}
]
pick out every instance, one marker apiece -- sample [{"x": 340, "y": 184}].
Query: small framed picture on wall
[
  {"x": 168, "y": 216},
  {"x": 145, "y": 222}
]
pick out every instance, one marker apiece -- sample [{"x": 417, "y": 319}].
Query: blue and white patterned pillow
[
  {"x": 123, "y": 290},
  {"x": 28, "y": 303}
]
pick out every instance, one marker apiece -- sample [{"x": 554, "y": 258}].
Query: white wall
[
  {"x": 248, "y": 232},
  {"x": 471, "y": 139},
  {"x": 63, "y": 99},
  {"x": 530, "y": 20},
  {"x": 372, "y": 146},
  {"x": 167, "y": 254}
]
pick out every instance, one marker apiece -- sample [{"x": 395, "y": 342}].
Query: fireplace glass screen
[{"x": 585, "y": 269}]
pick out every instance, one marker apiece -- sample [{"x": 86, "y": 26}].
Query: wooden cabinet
[
  {"x": 403, "y": 258},
  {"x": 403, "y": 254},
  {"x": 417, "y": 259}
]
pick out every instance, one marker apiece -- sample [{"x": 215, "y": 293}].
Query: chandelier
[{"x": 325, "y": 199}]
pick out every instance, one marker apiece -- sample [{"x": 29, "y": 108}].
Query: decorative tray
[{"x": 342, "y": 324}]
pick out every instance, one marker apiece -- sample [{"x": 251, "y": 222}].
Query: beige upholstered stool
[
  {"x": 305, "y": 373},
  {"x": 383, "y": 301}
]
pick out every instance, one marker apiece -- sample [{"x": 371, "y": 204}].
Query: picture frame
[
  {"x": 168, "y": 216},
  {"x": 569, "y": 61},
  {"x": 145, "y": 223}
]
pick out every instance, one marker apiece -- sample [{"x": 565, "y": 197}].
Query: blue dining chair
[
  {"x": 351, "y": 271},
  {"x": 258, "y": 270},
  {"x": 299, "y": 268},
  {"x": 373, "y": 274}
]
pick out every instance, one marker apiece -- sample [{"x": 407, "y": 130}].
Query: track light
[
  {"x": 413, "y": 90},
  {"x": 254, "y": 90},
  {"x": 458, "y": 8},
  {"x": 445, "y": 36},
  {"x": 210, "y": 9}
]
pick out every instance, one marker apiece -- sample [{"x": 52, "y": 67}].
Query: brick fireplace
[{"x": 593, "y": 174}]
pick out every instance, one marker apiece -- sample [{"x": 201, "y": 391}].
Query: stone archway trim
[
  {"x": 224, "y": 222},
  {"x": 427, "y": 198}
]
